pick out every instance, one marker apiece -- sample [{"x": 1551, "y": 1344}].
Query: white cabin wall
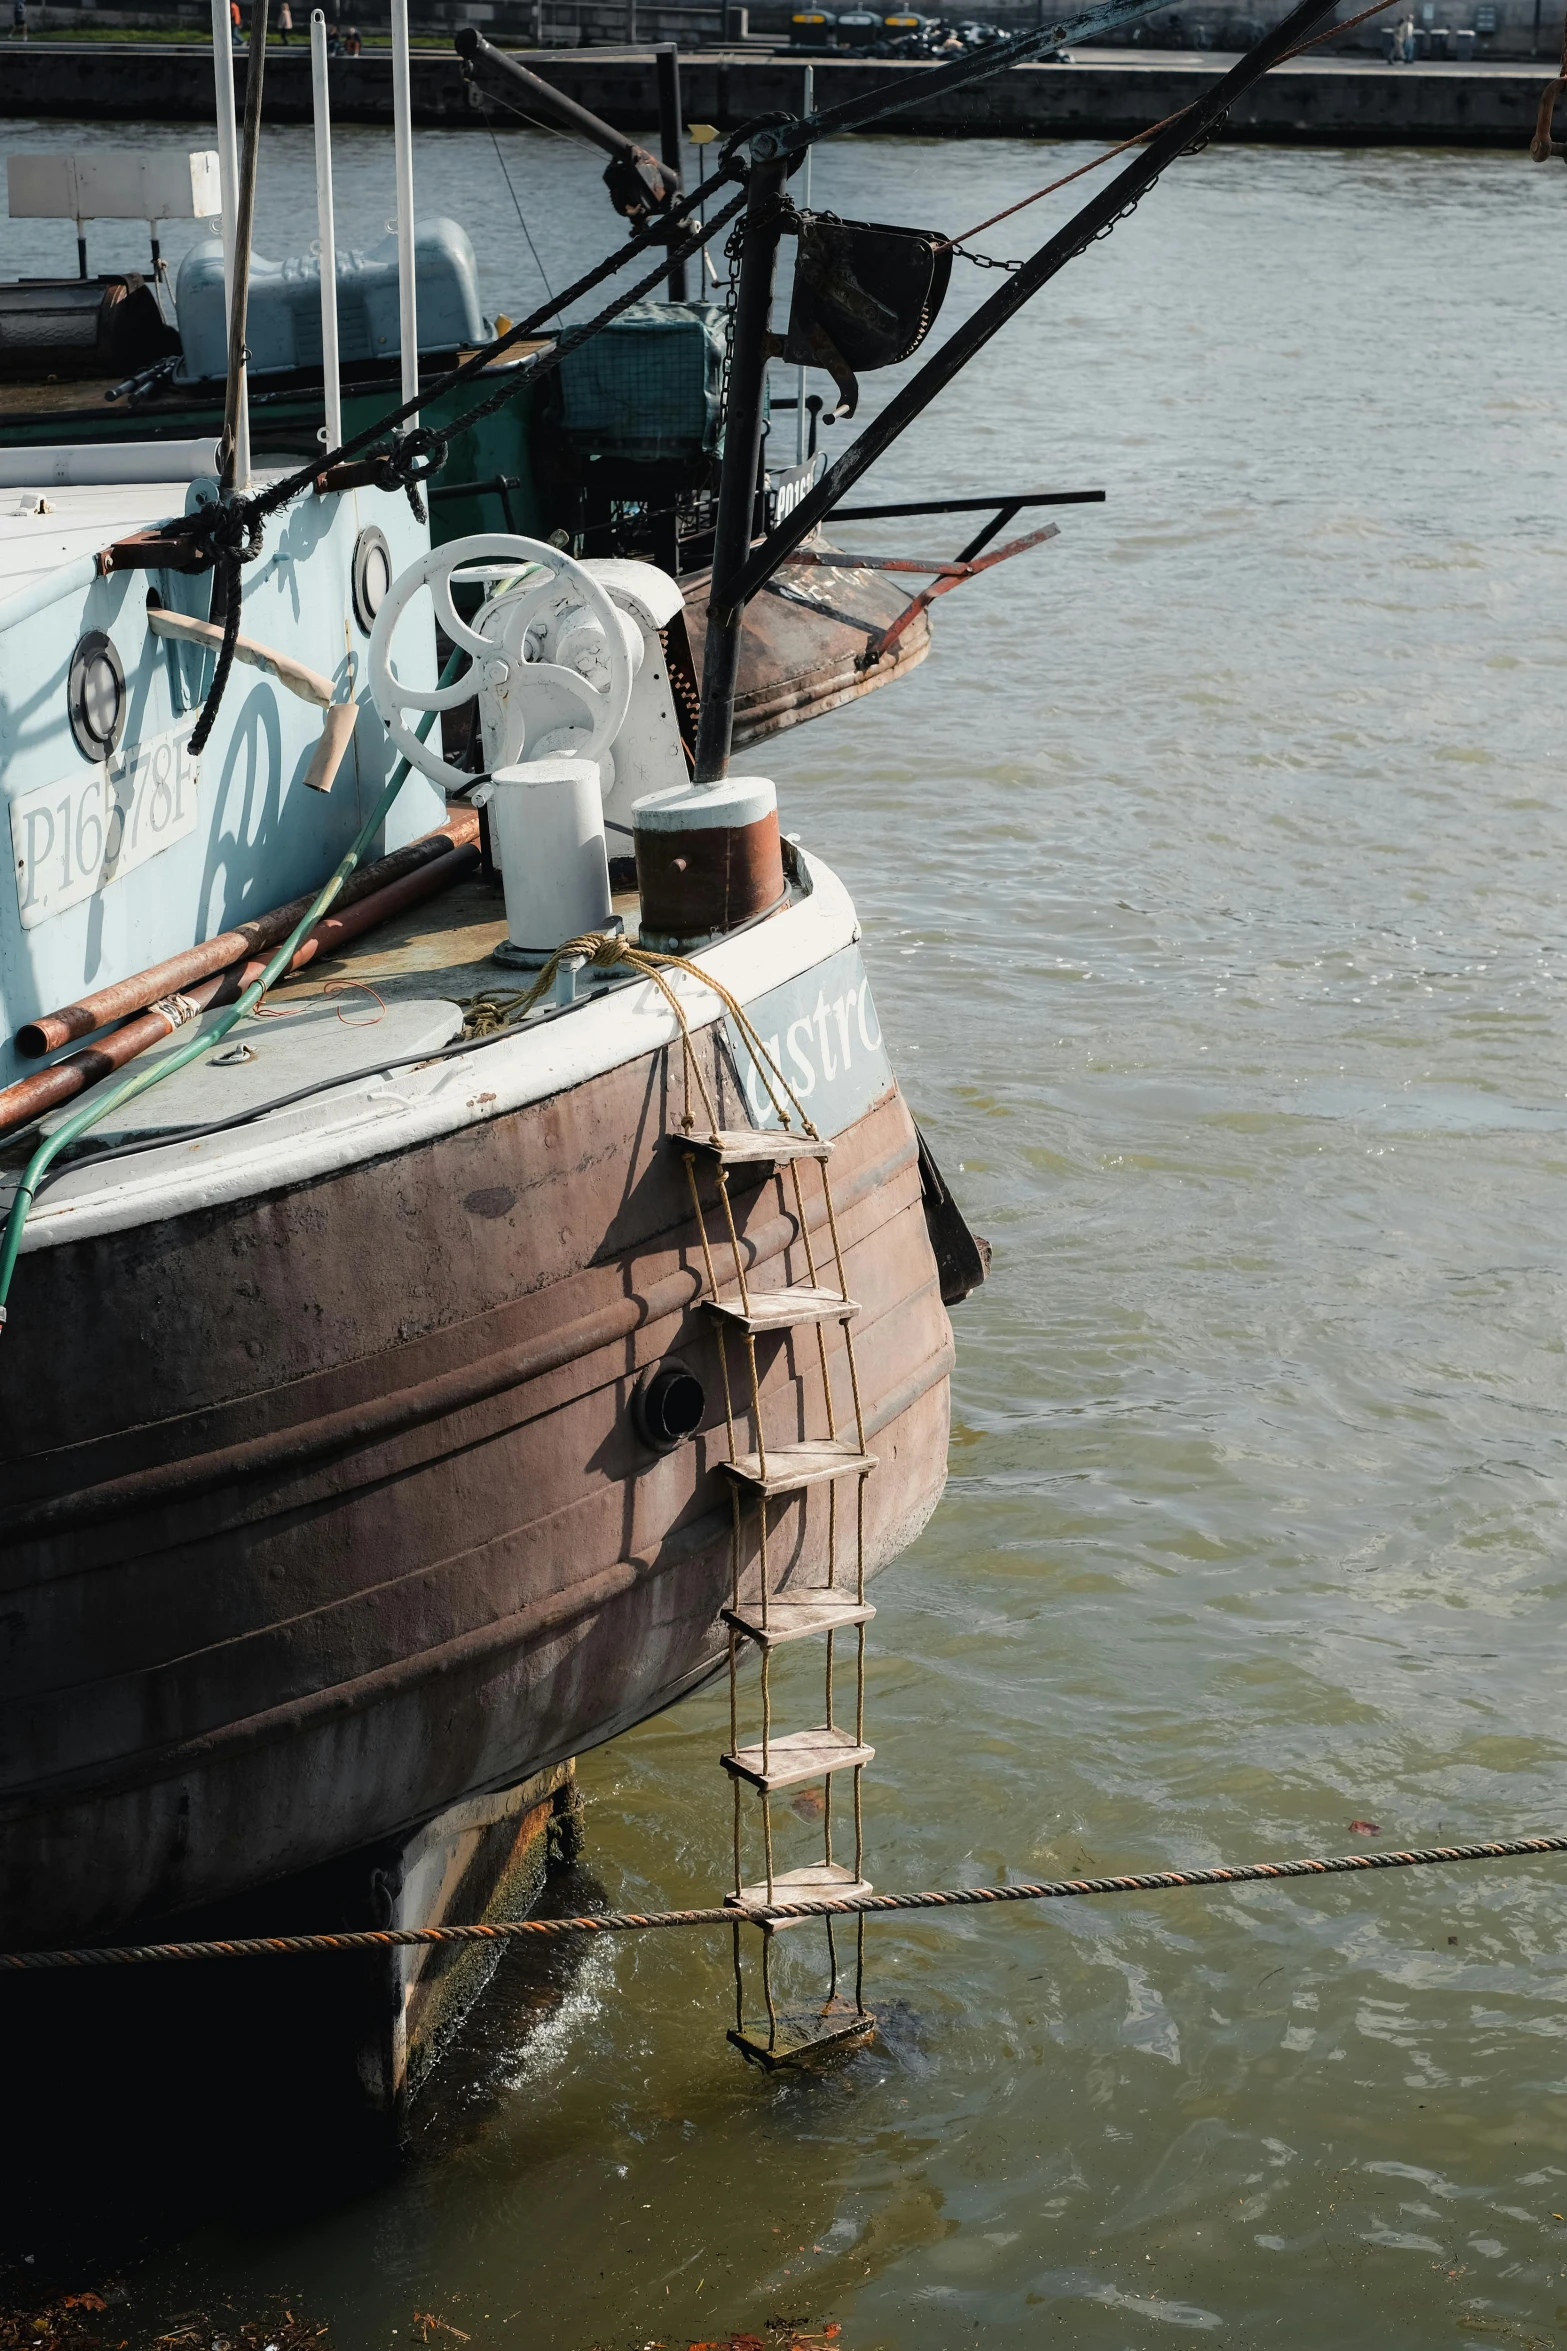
[{"x": 260, "y": 836}]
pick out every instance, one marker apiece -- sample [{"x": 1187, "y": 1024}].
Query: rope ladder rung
[
  {"x": 799, "y": 1757},
  {"x": 789, "y": 1469},
  {"x": 756, "y": 1146},
  {"x": 792, "y": 1309},
  {"x": 832, "y": 1881},
  {"x": 796, "y": 1616},
  {"x": 776, "y": 1472}
]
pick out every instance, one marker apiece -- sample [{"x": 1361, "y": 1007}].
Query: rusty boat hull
[
  {"x": 333, "y": 1510},
  {"x": 805, "y": 645}
]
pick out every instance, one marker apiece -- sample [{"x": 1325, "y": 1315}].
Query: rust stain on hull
[
  {"x": 800, "y": 644},
  {"x": 353, "y": 1521}
]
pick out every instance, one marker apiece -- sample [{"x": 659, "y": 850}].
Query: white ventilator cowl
[
  {"x": 547, "y": 825},
  {"x": 731, "y": 802}
]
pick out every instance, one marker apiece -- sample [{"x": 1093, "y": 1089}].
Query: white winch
[{"x": 576, "y": 715}]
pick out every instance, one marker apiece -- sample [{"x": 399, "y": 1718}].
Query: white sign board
[
  {"x": 116, "y": 183},
  {"x": 821, "y": 1034},
  {"x": 70, "y": 840}
]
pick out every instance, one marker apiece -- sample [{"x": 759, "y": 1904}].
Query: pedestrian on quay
[
  {"x": 18, "y": 20},
  {"x": 334, "y": 39},
  {"x": 285, "y": 22},
  {"x": 351, "y": 40},
  {"x": 1409, "y": 40},
  {"x": 236, "y": 29}
]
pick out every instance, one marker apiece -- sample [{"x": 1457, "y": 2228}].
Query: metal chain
[
  {"x": 731, "y": 259},
  {"x": 1139, "y": 138},
  {"x": 991, "y": 261},
  {"x": 982, "y": 260}
]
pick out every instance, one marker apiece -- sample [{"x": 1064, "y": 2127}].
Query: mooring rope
[
  {"x": 621, "y": 1922},
  {"x": 604, "y": 951}
]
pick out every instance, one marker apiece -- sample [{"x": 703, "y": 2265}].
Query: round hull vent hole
[{"x": 667, "y": 1405}]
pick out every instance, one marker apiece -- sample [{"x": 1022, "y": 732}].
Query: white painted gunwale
[
  {"x": 384, "y": 1115},
  {"x": 54, "y": 554}
]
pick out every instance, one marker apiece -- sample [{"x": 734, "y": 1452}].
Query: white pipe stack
[
  {"x": 808, "y": 101},
  {"x": 547, "y": 820},
  {"x": 403, "y": 141},
  {"x": 326, "y": 231},
  {"x": 228, "y": 177}
]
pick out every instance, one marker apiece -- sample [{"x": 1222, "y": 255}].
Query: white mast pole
[
  {"x": 326, "y": 231},
  {"x": 228, "y": 182},
  {"x": 805, "y": 206},
  {"x": 403, "y": 141}
]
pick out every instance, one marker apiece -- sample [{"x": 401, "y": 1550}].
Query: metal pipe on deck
[
  {"x": 668, "y": 57},
  {"x": 177, "y": 973},
  {"x": 742, "y": 457},
  {"x": 63, "y": 1081}
]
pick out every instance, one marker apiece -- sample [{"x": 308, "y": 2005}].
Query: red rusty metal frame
[
  {"x": 950, "y": 574},
  {"x": 154, "y": 550},
  {"x": 1545, "y": 144}
]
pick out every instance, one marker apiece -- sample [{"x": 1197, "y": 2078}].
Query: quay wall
[
  {"x": 1332, "y": 102},
  {"x": 1468, "y": 32}
]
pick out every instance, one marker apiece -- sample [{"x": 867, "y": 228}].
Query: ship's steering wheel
[{"x": 552, "y": 659}]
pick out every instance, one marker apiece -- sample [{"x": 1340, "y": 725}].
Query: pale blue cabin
[{"x": 124, "y": 850}]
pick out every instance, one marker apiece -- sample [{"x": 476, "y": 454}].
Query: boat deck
[
  {"x": 443, "y": 948},
  {"x": 439, "y": 953}
]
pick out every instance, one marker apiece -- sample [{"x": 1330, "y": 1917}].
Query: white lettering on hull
[{"x": 837, "y": 1039}]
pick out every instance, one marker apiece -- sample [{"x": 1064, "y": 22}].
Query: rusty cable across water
[{"x": 619, "y": 1922}]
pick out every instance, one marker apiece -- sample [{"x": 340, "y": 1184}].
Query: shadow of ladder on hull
[{"x": 772, "y": 1620}]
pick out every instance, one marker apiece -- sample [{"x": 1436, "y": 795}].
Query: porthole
[
  {"x": 95, "y": 696},
  {"x": 667, "y": 1405},
  {"x": 372, "y": 576}
]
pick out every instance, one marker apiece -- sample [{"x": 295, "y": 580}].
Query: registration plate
[{"x": 70, "y": 840}]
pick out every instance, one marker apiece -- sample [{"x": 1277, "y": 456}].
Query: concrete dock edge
[{"x": 1329, "y": 102}]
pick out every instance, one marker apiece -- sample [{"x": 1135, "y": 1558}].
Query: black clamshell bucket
[{"x": 866, "y": 295}]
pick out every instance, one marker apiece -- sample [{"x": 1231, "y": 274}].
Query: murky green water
[{"x": 1211, "y": 874}]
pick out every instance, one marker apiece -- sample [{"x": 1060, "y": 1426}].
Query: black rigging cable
[
  {"x": 517, "y": 203},
  {"x": 420, "y": 453}
]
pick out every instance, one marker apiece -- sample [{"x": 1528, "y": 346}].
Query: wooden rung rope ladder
[
  {"x": 771, "y": 1619},
  {"x": 768, "y": 1473}
]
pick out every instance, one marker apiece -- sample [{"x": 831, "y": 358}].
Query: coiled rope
[
  {"x": 607, "y": 951},
  {"x": 622, "y": 1922}
]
